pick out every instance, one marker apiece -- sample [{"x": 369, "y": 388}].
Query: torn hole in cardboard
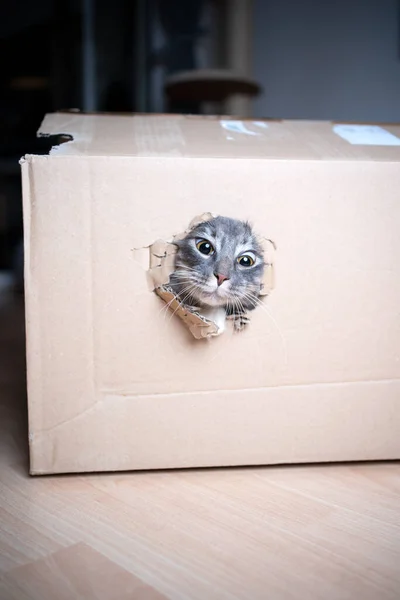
[
  {"x": 162, "y": 265},
  {"x": 49, "y": 142}
]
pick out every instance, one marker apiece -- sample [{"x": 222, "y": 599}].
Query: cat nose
[{"x": 221, "y": 278}]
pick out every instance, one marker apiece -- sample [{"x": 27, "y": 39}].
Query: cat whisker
[
  {"x": 179, "y": 263},
  {"x": 167, "y": 305},
  {"x": 181, "y": 276},
  {"x": 185, "y": 268},
  {"x": 182, "y": 270},
  {"x": 181, "y": 280},
  {"x": 182, "y": 301}
]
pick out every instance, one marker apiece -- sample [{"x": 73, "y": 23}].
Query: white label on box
[
  {"x": 366, "y": 135},
  {"x": 237, "y": 127}
]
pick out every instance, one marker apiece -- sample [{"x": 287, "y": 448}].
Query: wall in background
[{"x": 335, "y": 60}]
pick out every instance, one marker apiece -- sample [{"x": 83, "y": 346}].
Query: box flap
[{"x": 220, "y": 137}]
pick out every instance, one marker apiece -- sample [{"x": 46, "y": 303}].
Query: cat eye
[
  {"x": 205, "y": 247},
  {"x": 246, "y": 260}
]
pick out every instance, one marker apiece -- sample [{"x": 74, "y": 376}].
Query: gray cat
[{"x": 219, "y": 270}]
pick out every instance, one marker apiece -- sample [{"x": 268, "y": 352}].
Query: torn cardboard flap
[
  {"x": 199, "y": 326},
  {"x": 162, "y": 265},
  {"x": 200, "y": 219}
]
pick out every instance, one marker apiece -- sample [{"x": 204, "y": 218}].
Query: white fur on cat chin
[{"x": 216, "y": 314}]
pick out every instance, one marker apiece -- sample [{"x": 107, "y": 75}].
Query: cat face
[{"x": 219, "y": 263}]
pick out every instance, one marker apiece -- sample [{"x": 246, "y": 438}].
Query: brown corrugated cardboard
[{"x": 116, "y": 382}]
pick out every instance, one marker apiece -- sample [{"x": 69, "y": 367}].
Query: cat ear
[{"x": 248, "y": 225}]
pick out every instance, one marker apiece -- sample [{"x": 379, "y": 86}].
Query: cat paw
[{"x": 240, "y": 322}]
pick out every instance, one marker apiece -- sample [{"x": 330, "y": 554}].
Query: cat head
[{"x": 220, "y": 262}]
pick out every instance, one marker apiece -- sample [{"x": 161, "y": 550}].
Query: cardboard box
[{"x": 116, "y": 382}]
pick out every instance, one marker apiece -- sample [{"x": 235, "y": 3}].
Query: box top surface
[{"x": 169, "y": 136}]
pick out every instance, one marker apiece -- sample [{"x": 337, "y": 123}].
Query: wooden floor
[{"x": 326, "y": 532}]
